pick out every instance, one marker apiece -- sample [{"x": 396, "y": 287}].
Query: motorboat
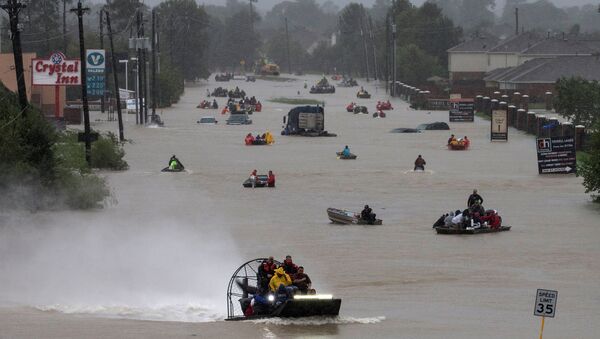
[{"x": 338, "y": 216}]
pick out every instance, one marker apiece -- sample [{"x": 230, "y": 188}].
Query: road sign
[
  {"x": 499, "y": 128},
  {"x": 545, "y": 303},
  {"x": 556, "y": 155},
  {"x": 462, "y": 110},
  {"x": 95, "y": 67}
]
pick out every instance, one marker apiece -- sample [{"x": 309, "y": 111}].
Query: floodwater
[{"x": 165, "y": 248}]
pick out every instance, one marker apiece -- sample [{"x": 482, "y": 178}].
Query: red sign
[{"x": 56, "y": 71}]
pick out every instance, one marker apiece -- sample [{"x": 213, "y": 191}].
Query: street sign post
[
  {"x": 545, "y": 305},
  {"x": 556, "y": 155},
  {"x": 499, "y": 125}
]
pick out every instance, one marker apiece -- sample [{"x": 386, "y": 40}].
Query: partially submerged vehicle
[
  {"x": 379, "y": 114},
  {"x": 470, "y": 230},
  {"x": 261, "y": 181},
  {"x": 405, "y": 130},
  {"x": 244, "y": 286},
  {"x": 339, "y": 216},
  {"x": 219, "y": 92},
  {"x": 207, "y": 120},
  {"x": 324, "y": 89},
  {"x": 360, "y": 110},
  {"x": 306, "y": 121},
  {"x": 348, "y": 83},
  {"x": 434, "y": 126},
  {"x": 223, "y": 77},
  {"x": 341, "y": 155},
  {"x": 239, "y": 118}
]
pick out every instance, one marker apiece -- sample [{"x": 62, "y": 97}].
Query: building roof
[
  {"x": 516, "y": 43},
  {"x": 555, "y": 46},
  {"x": 477, "y": 44},
  {"x": 548, "y": 70}
]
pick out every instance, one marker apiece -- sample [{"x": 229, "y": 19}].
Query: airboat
[{"x": 245, "y": 284}]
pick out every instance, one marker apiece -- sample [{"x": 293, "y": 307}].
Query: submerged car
[
  {"x": 207, "y": 121},
  {"x": 239, "y": 119},
  {"x": 434, "y": 126}
]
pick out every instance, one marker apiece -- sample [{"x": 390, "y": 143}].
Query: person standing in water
[{"x": 420, "y": 163}]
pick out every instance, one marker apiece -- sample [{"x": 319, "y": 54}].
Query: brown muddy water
[{"x": 165, "y": 248}]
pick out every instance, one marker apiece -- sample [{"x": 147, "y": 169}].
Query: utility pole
[
  {"x": 140, "y": 97},
  {"x": 144, "y": 71},
  {"x": 373, "y": 48},
  {"x": 362, "y": 36},
  {"x": 287, "y": 38},
  {"x": 116, "y": 77},
  {"x": 252, "y": 15},
  {"x": 516, "y": 21},
  {"x": 65, "y": 45},
  {"x": 101, "y": 47},
  {"x": 393, "y": 91},
  {"x": 84, "y": 99},
  {"x": 387, "y": 52},
  {"x": 153, "y": 64},
  {"x": 13, "y": 7}
]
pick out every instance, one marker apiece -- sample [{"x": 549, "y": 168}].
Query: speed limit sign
[{"x": 545, "y": 303}]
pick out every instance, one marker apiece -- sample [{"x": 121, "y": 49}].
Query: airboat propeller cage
[{"x": 247, "y": 274}]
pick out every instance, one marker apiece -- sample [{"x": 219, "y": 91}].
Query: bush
[
  {"x": 589, "y": 166},
  {"x": 107, "y": 153}
]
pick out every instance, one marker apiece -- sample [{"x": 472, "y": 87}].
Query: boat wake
[
  {"x": 175, "y": 312},
  {"x": 419, "y": 172},
  {"x": 312, "y": 321}
]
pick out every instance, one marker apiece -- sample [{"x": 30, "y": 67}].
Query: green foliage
[
  {"x": 184, "y": 36},
  {"x": 589, "y": 166},
  {"x": 276, "y": 49},
  {"x": 351, "y": 22},
  {"x": 39, "y": 170},
  {"x": 294, "y": 101},
  {"x": 415, "y": 65},
  {"x": 108, "y": 153},
  {"x": 578, "y": 100},
  {"x": 170, "y": 85}
]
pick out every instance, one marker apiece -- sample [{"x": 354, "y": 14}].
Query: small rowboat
[
  {"x": 340, "y": 155},
  {"x": 469, "y": 230},
  {"x": 338, "y": 216}
]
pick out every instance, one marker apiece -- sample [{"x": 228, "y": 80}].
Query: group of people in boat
[
  {"x": 243, "y": 104},
  {"x": 264, "y": 139},
  {"x": 281, "y": 282},
  {"x": 367, "y": 215},
  {"x": 254, "y": 180},
  {"x": 474, "y": 216},
  {"x": 453, "y": 141},
  {"x": 207, "y": 104}
]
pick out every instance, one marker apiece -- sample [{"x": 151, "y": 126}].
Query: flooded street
[{"x": 164, "y": 250}]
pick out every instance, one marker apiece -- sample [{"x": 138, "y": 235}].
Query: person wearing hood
[
  {"x": 448, "y": 219},
  {"x": 249, "y": 140},
  {"x": 278, "y": 279},
  {"x": 367, "y": 215},
  {"x": 269, "y": 138},
  {"x": 420, "y": 163},
  {"x": 271, "y": 179},
  {"x": 346, "y": 152},
  {"x": 214, "y": 104},
  {"x": 174, "y": 163},
  {"x": 493, "y": 219},
  {"x": 458, "y": 219}
]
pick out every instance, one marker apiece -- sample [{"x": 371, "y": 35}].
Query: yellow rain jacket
[
  {"x": 280, "y": 277},
  {"x": 269, "y": 138}
]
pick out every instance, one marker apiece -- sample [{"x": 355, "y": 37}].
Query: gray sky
[{"x": 267, "y": 4}]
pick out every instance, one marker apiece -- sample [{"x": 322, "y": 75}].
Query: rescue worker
[
  {"x": 368, "y": 215},
  {"x": 271, "y": 179},
  {"x": 174, "y": 163},
  {"x": 474, "y": 198},
  {"x": 420, "y": 163},
  {"x": 280, "y": 278}
]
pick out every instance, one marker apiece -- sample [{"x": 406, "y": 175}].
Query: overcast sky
[{"x": 267, "y": 4}]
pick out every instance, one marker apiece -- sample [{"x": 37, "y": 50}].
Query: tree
[
  {"x": 42, "y": 27},
  {"x": 351, "y": 40},
  {"x": 415, "y": 65},
  {"x": 578, "y": 100},
  {"x": 469, "y": 14},
  {"x": 589, "y": 166},
  {"x": 276, "y": 50},
  {"x": 184, "y": 36}
]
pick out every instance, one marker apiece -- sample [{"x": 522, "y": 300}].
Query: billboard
[
  {"x": 499, "y": 126},
  {"x": 556, "y": 155},
  {"x": 462, "y": 110},
  {"x": 57, "y": 70}
]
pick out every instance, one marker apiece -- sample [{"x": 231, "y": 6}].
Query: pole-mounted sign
[
  {"x": 96, "y": 65},
  {"x": 545, "y": 305}
]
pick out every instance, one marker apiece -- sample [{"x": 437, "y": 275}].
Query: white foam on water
[
  {"x": 419, "y": 172},
  {"x": 316, "y": 321},
  {"x": 175, "y": 312}
]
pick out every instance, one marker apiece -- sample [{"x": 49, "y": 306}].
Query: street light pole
[
  {"x": 126, "y": 62},
  {"x": 393, "y": 89}
]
